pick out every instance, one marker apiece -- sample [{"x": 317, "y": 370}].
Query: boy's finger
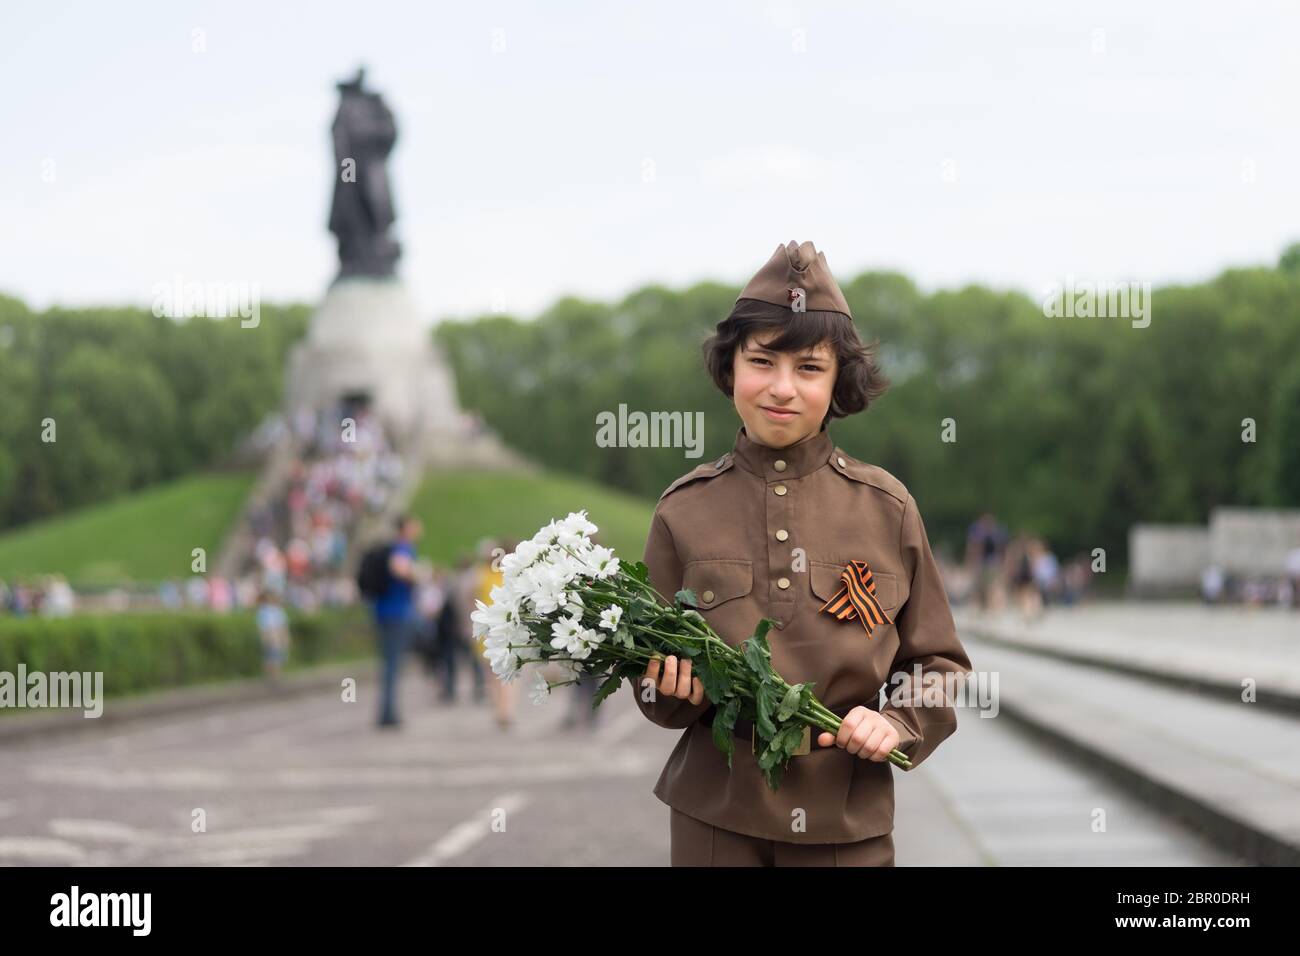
[
  {"x": 859, "y": 738},
  {"x": 684, "y": 678},
  {"x": 871, "y": 748},
  {"x": 697, "y": 692},
  {"x": 847, "y": 726},
  {"x": 825, "y": 739},
  {"x": 668, "y": 682}
]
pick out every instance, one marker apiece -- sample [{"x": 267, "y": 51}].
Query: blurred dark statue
[{"x": 364, "y": 133}]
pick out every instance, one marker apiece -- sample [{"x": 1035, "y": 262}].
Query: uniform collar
[{"x": 793, "y": 461}]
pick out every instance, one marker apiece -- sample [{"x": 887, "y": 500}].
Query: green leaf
[
  {"x": 764, "y": 702},
  {"x": 793, "y": 737},
  {"x": 637, "y": 570},
  {"x": 707, "y": 671},
  {"x": 686, "y": 598},
  {"x": 610, "y": 685},
  {"x": 756, "y": 658},
  {"x": 724, "y": 683},
  {"x": 724, "y": 724},
  {"x": 790, "y": 703}
]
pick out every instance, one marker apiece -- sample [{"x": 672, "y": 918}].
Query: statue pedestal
[{"x": 369, "y": 340}]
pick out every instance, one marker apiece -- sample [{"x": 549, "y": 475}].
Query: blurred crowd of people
[
  {"x": 49, "y": 595},
  {"x": 1221, "y": 587},
  {"x": 439, "y": 632},
  {"x": 347, "y": 470},
  {"x": 445, "y": 599},
  {"x": 1002, "y": 569}
]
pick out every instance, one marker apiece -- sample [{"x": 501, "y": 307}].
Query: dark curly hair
[{"x": 859, "y": 380}]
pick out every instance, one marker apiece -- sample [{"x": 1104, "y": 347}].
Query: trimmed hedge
[{"x": 150, "y": 651}]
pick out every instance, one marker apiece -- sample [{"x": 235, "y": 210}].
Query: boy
[{"x": 788, "y": 526}]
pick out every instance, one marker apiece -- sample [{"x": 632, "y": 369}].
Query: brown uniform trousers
[{"x": 695, "y": 843}]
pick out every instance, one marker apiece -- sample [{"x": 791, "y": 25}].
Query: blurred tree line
[
  {"x": 135, "y": 398},
  {"x": 1072, "y": 428}
]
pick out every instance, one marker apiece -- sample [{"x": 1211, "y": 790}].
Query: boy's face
[{"x": 780, "y": 396}]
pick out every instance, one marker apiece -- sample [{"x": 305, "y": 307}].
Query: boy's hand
[
  {"x": 676, "y": 679},
  {"x": 864, "y": 733}
]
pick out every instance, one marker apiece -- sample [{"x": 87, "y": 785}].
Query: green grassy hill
[
  {"x": 149, "y": 536},
  {"x": 146, "y": 536},
  {"x": 460, "y": 508}
]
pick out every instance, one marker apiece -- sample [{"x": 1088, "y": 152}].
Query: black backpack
[{"x": 373, "y": 576}]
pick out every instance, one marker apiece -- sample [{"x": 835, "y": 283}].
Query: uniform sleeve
[
  {"x": 666, "y": 578},
  {"x": 924, "y": 715}
]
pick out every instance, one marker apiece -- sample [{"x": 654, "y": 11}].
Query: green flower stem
[{"x": 816, "y": 715}]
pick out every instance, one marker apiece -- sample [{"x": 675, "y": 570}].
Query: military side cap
[{"x": 797, "y": 277}]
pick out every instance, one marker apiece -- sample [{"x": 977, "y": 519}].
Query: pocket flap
[
  {"x": 718, "y": 580},
  {"x": 826, "y": 583}
]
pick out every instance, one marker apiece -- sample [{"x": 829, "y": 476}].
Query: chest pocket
[
  {"x": 826, "y": 583},
  {"x": 718, "y": 580}
]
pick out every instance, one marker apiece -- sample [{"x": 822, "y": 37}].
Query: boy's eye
[{"x": 807, "y": 365}]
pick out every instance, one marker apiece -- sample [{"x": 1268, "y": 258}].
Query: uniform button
[
  {"x": 783, "y": 583},
  {"x": 779, "y": 465},
  {"x": 708, "y": 597},
  {"x": 782, "y": 535},
  {"x": 779, "y": 489},
  {"x": 841, "y": 461}
]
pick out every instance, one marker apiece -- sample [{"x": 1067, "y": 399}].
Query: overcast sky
[{"x": 590, "y": 148}]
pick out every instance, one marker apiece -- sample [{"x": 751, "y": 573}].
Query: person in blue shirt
[
  {"x": 273, "y": 629},
  {"x": 395, "y": 615}
]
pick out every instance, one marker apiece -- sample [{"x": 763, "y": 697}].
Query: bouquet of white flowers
[{"x": 566, "y": 600}]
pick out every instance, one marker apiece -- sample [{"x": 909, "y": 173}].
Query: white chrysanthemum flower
[
  {"x": 500, "y": 594},
  {"x": 574, "y": 606},
  {"x": 548, "y": 595},
  {"x": 569, "y": 670},
  {"x": 578, "y": 524},
  {"x": 482, "y": 625},
  {"x": 503, "y": 659},
  {"x": 566, "y": 633},
  {"x": 602, "y": 562},
  {"x": 548, "y": 536},
  {"x": 487, "y": 617},
  {"x": 610, "y": 617},
  {"x": 540, "y": 689},
  {"x": 506, "y": 647},
  {"x": 520, "y": 558}
]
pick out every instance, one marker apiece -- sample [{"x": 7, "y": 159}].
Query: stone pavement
[
  {"x": 308, "y": 781},
  {"x": 1218, "y": 647},
  {"x": 1226, "y": 766}
]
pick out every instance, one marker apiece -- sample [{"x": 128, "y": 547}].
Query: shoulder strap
[{"x": 709, "y": 470}]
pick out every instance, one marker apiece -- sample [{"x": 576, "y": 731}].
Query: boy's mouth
[{"x": 778, "y": 414}]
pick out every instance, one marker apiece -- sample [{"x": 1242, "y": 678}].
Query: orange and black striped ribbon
[{"x": 857, "y": 598}]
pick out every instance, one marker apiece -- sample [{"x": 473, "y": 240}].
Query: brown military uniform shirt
[{"x": 729, "y": 531}]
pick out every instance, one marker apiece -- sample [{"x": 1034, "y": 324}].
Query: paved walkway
[
  {"x": 308, "y": 781},
  {"x": 1217, "y": 645},
  {"x": 1226, "y": 765}
]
